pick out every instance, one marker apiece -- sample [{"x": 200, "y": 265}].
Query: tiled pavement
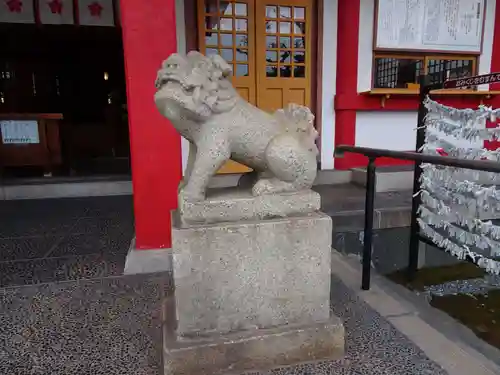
[
  {"x": 112, "y": 326},
  {"x": 65, "y": 309},
  {"x": 63, "y": 239}
]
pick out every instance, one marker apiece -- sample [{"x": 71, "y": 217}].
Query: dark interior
[{"x": 76, "y": 71}]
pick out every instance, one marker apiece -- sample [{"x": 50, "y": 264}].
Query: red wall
[
  {"x": 348, "y": 101},
  {"x": 149, "y": 37}
]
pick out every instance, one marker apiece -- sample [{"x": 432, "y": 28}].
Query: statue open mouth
[
  {"x": 174, "y": 82},
  {"x": 177, "y": 100},
  {"x": 167, "y": 93}
]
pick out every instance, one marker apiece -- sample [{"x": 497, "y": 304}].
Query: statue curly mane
[{"x": 205, "y": 79}]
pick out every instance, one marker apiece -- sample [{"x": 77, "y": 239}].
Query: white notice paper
[
  {"x": 19, "y": 132},
  {"x": 439, "y": 25}
]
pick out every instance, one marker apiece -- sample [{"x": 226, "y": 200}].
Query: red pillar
[
  {"x": 347, "y": 77},
  {"x": 149, "y": 37}
]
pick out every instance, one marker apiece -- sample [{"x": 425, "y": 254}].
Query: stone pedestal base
[
  {"x": 251, "y": 295},
  {"x": 233, "y": 205},
  {"x": 261, "y": 349}
]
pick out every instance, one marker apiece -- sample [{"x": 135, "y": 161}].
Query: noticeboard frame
[{"x": 426, "y": 50}]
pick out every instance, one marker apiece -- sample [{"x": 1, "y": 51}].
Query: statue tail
[{"x": 298, "y": 119}]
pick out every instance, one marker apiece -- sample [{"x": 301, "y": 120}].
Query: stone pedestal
[
  {"x": 230, "y": 205},
  {"x": 251, "y": 295}
]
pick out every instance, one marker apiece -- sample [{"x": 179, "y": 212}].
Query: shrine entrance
[
  {"x": 269, "y": 45},
  {"x": 62, "y": 91}
]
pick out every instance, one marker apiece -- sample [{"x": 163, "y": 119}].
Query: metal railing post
[{"x": 368, "y": 230}]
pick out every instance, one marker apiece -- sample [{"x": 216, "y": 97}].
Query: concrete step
[
  {"x": 72, "y": 187},
  {"x": 327, "y": 177},
  {"x": 392, "y": 178},
  {"x": 69, "y": 187}
]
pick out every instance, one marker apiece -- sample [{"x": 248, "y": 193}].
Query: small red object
[
  {"x": 56, "y": 6},
  {"x": 441, "y": 152},
  {"x": 95, "y": 9},
  {"x": 15, "y": 6}
]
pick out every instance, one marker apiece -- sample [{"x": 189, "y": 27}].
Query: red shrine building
[{"x": 77, "y": 80}]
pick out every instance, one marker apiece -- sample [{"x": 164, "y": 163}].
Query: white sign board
[
  {"x": 19, "y": 132},
  {"x": 430, "y": 25}
]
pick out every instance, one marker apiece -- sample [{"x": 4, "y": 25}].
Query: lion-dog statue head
[{"x": 194, "y": 87}]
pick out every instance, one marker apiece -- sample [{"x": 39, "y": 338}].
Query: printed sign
[
  {"x": 19, "y": 132},
  {"x": 430, "y": 25},
  {"x": 472, "y": 81}
]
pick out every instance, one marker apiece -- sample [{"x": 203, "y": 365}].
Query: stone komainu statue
[{"x": 196, "y": 94}]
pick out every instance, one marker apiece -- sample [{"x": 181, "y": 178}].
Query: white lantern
[
  {"x": 17, "y": 11},
  {"x": 56, "y": 12},
  {"x": 96, "y": 12}
]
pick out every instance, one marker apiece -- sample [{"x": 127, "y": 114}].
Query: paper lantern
[
  {"x": 17, "y": 11},
  {"x": 56, "y": 12},
  {"x": 96, "y": 12}
]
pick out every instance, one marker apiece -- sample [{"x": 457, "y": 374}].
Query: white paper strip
[
  {"x": 485, "y": 228},
  {"x": 454, "y": 200},
  {"x": 461, "y": 252}
]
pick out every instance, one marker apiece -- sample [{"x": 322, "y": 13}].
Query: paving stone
[
  {"x": 63, "y": 239},
  {"x": 112, "y": 242},
  {"x": 104, "y": 225},
  {"x": 110, "y": 326},
  {"x": 45, "y": 270},
  {"x": 26, "y": 247}
]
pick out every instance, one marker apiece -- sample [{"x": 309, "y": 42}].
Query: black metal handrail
[
  {"x": 426, "y": 89},
  {"x": 478, "y": 165},
  {"x": 372, "y": 154}
]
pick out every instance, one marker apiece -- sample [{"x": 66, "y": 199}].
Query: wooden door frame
[{"x": 191, "y": 26}]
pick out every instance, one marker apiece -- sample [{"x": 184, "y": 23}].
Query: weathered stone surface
[
  {"x": 248, "y": 275},
  {"x": 254, "y": 350},
  {"x": 196, "y": 94},
  {"x": 251, "y": 267},
  {"x": 235, "y": 205}
]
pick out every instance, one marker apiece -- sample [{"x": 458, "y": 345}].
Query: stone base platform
[
  {"x": 261, "y": 349},
  {"x": 248, "y": 275},
  {"x": 234, "y": 205},
  {"x": 251, "y": 294}
]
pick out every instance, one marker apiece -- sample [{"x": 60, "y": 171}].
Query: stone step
[
  {"x": 327, "y": 177},
  {"x": 392, "y": 178},
  {"x": 68, "y": 188}
]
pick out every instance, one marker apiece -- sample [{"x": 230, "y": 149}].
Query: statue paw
[
  {"x": 272, "y": 186},
  {"x": 262, "y": 187},
  {"x": 188, "y": 195}
]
